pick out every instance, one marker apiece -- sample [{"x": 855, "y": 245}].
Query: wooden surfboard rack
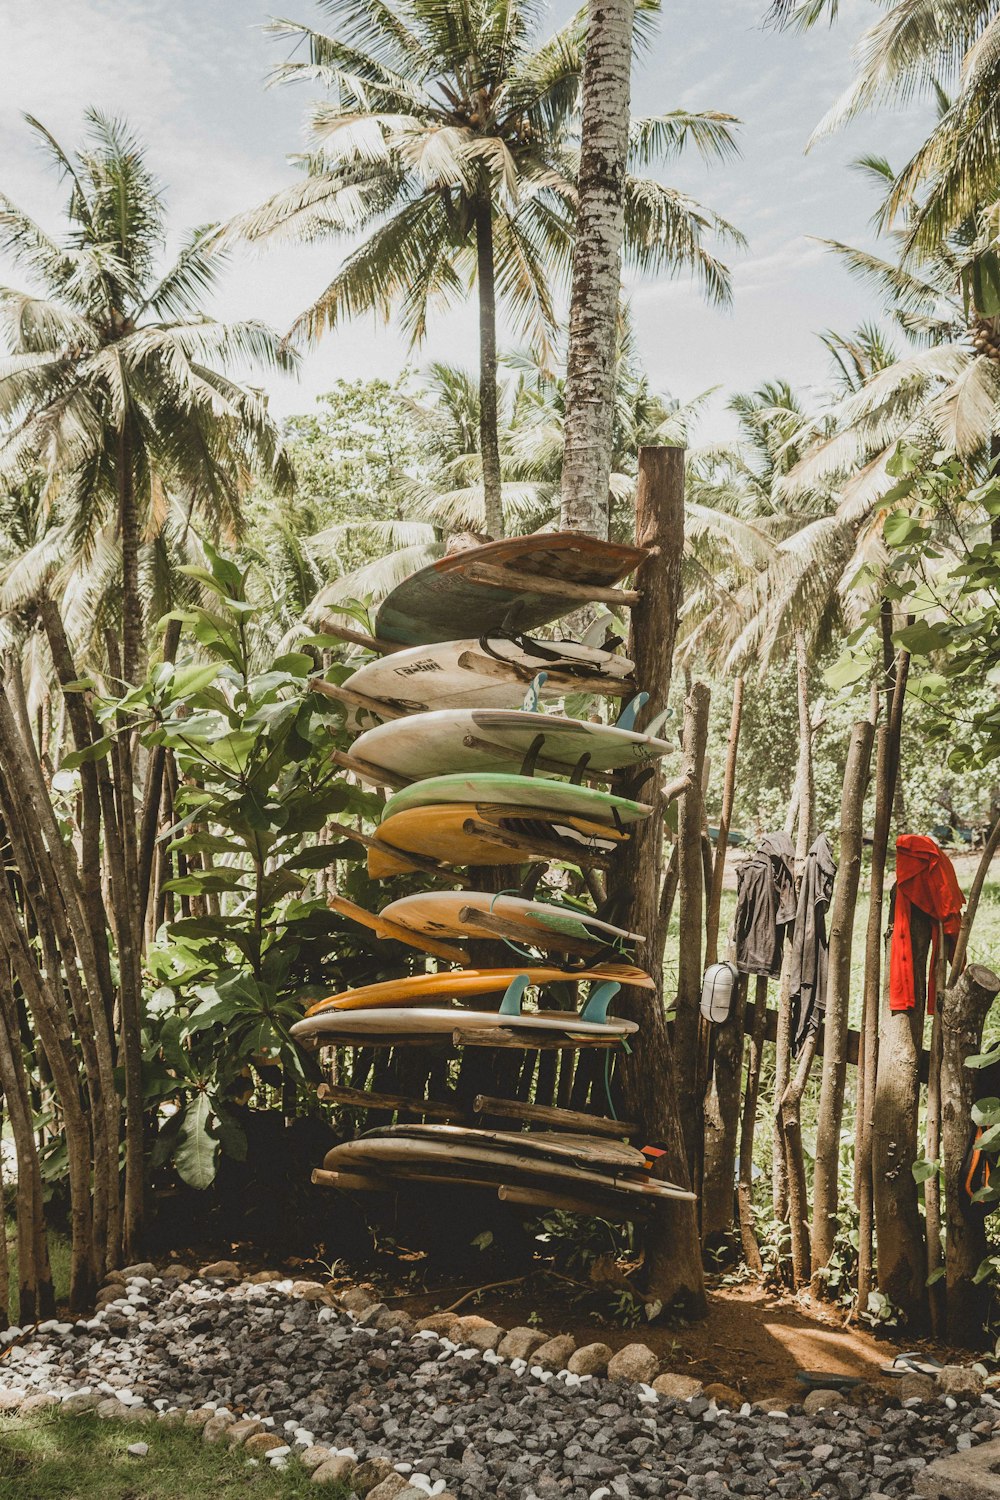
[
  {"x": 552, "y": 1117},
  {"x": 532, "y": 583},
  {"x": 535, "y": 848},
  {"x": 601, "y": 687},
  {"x": 396, "y": 1103}
]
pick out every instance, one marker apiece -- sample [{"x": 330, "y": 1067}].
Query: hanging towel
[
  {"x": 810, "y": 957},
  {"x": 925, "y": 878}
]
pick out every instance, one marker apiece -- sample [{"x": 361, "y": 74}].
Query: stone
[
  {"x": 221, "y": 1269},
  {"x": 487, "y": 1337},
  {"x": 443, "y": 1324},
  {"x": 81, "y": 1401},
  {"x": 111, "y": 1407},
  {"x": 371, "y": 1473},
  {"x": 309, "y": 1291},
  {"x": 677, "y": 1387},
  {"x": 723, "y": 1395},
  {"x": 11, "y": 1400},
  {"x": 520, "y": 1343},
  {"x": 216, "y": 1427},
  {"x": 312, "y": 1457},
  {"x": 108, "y": 1294},
  {"x": 138, "y": 1416},
  {"x": 555, "y": 1353},
  {"x": 826, "y": 1401},
  {"x": 137, "y": 1450},
  {"x": 261, "y": 1278},
  {"x": 465, "y": 1327},
  {"x": 357, "y": 1298},
  {"x": 389, "y": 1488},
  {"x": 261, "y": 1443},
  {"x": 334, "y": 1470},
  {"x": 591, "y": 1359},
  {"x": 144, "y": 1268},
  {"x": 373, "y": 1315},
  {"x": 238, "y": 1432},
  {"x": 914, "y": 1386},
  {"x": 177, "y": 1272},
  {"x": 198, "y": 1417},
  {"x": 973, "y": 1475},
  {"x": 39, "y": 1401},
  {"x": 959, "y": 1380},
  {"x": 634, "y": 1362}
]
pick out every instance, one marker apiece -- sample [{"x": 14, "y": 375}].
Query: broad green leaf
[{"x": 197, "y": 1152}]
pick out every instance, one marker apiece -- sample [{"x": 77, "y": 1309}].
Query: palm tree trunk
[
  {"x": 489, "y": 441},
  {"x": 607, "y": 78},
  {"x": 133, "y": 631}
]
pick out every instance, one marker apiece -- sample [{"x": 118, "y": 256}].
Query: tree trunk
[
  {"x": 963, "y": 1008},
  {"x": 133, "y": 619},
  {"x": 902, "y": 1264},
  {"x": 748, "y": 1128},
  {"x": 842, "y": 909},
  {"x": 489, "y": 437},
  {"x": 725, "y": 820},
  {"x": 672, "y": 1268},
  {"x": 886, "y": 768},
  {"x": 691, "y": 927},
  {"x": 593, "y": 318},
  {"x": 36, "y": 1298}
]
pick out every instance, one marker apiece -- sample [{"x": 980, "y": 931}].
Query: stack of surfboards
[{"x": 484, "y": 781}]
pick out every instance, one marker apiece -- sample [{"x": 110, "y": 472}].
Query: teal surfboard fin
[
  {"x": 510, "y": 1005},
  {"x": 600, "y": 997},
  {"x": 627, "y": 717},
  {"x": 532, "y": 697}
]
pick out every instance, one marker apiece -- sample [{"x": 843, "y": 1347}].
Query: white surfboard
[
  {"x": 433, "y": 1020},
  {"x": 464, "y": 674},
  {"x": 494, "y": 739}
]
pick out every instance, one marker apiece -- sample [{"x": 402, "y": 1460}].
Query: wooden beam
[
  {"x": 367, "y": 772},
  {"x": 360, "y": 638},
  {"x": 600, "y": 685},
  {"x": 853, "y": 1039},
  {"x": 341, "y": 693},
  {"x": 488, "y": 921},
  {"x": 618, "y": 1208},
  {"x": 351, "y": 1182},
  {"x": 450, "y": 952},
  {"x": 529, "y": 583},
  {"x": 415, "y": 861},
  {"x": 397, "y": 1103},
  {"x": 536, "y": 848},
  {"x": 528, "y": 1040},
  {"x": 543, "y": 762},
  {"x": 575, "y": 1120}
]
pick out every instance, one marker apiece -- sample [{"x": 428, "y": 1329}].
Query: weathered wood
[
  {"x": 725, "y": 821},
  {"x": 361, "y": 638},
  {"x": 340, "y": 693},
  {"x": 623, "y": 1209},
  {"x": 755, "y": 1019},
  {"x": 835, "y": 1027},
  {"x": 554, "y": 588},
  {"x": 488, "y": 922},
  {"x": 511, "y": 671},
  {"x": 351, "y": 1182},
  {"x": 503, "y": 1037},
  {"x": 691, "y": 893},
  {"x": 963, "y": 1008},
  {"x": 542, "y": 762},
  {"x": 366, "y": 771},
  {"x": 450, "y": 952},
  {"x": 395, "y": 1103},
  {"x": 536, "y": 848},
  {"x": 573, "y": 1120},
  {"x": 672, "y": 1268},
  {"x": 721, "y": 1125},
  {"x": 415, "y": 861}
]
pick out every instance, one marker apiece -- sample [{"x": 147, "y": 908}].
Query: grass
[{"x": 64, "y": 1457}]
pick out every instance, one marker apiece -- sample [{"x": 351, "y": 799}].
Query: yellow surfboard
[
  {"x": 415, "y": 989},
  {"x": 438, "y": 832}
]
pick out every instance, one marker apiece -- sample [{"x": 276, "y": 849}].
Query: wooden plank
[
  {"x": 503, "y": 671},
  {"x": 360, "y": 638},
  {"x": 488, "y": 921},
  {"x": 351, "y": 1182},
  {"x": 537, "y": 848},
  {"x": 364, "y": 769},
  {"x": 554, "y": 1119},
  {"x": 542, "y": 762},
  {"x": 365, "y": 1099},
  {"x": 451, "y": 952},
  {"x": 531, "y": 583},
  {"x": 853, "y": 1040},
  {"x": 615, "y": 1208},
  {"x": 415, "y": 861},
  {"x": 340, "y": 693},
  {"x": 528, "y": 1040}
]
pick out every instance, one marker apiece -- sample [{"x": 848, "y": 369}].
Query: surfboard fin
[
  {"x": 510, "y": 1005},
  {"x": 627, "y": 717},
  {"x": 655, "y": 726},
  {"x": 578, "y": 770},
  {"x": 531, "y": 755},
  {"x": 600, "y": 997},
  {"x": 532, "y": 697}
]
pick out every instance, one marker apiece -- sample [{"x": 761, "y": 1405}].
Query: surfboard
[
  {"x": 438, "y": 831},
  {"x": 498, "y": 739},
  {"x": 437, "y": 914},
  {"x": 444, "y": 675},
  {"x": 550, "y": 1145},
  {"x": 438, "y": 603},
  {"x": 495, "y": 1164},
  {"x": 405, "y": 1021},
  {"x": 414, "y": 989},
  {"x": 499, "y": 788}
]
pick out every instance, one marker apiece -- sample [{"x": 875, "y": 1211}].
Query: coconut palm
[
  {"x": 113, "y": 403},
  {"x": 449, "y": 145}
]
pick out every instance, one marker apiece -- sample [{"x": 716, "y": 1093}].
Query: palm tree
[
  {"x": 449, "y": 144},
  {"x": 111, "y": 398}
]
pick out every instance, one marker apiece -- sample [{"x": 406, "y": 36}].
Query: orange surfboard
[{"x": 414, "y": 989}]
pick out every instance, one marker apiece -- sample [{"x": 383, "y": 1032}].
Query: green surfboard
[{"x": 518, "y": 791}]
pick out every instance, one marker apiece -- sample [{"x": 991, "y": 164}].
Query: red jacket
[{"x": 925, "y": 878}]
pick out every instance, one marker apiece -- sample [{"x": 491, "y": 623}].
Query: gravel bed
[{"x": 451, "y": 1418}]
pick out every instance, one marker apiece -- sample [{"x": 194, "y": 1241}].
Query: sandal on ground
[{"x": 913, "y": 1363}]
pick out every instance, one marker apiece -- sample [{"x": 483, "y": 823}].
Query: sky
[{"x": 191, "y": 77}]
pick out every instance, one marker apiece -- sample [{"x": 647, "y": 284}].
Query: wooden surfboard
[
  {"x": 495, "y": 1165},
  {"x": 551, "y": 797},
  {"x": 439, "y": 602},
  {"x": 414, "y": 989},
  {"x": 439, "y": 833},
  {"x": 445, "y": 675},
  {"x": 436, "y": 914},
  {"x": 498, "y": 739},
  {"x": 414, "y": 1021},
  {"x": 549, "y": 1145}
]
